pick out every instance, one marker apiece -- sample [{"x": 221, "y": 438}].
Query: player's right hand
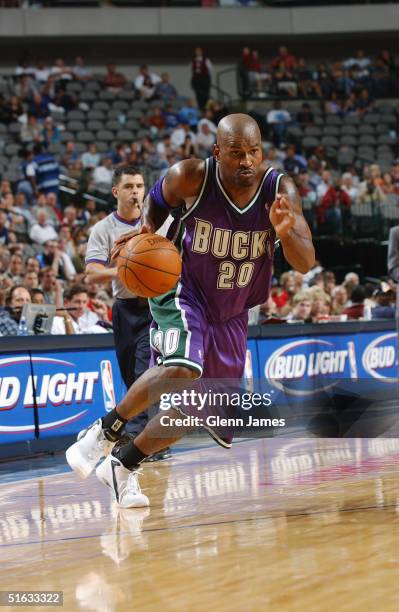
[{"x": 119, "y": 242}]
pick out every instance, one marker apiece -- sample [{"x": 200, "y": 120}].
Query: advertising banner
[
  {"x": 304, "y": 367},
  {"x": 69, "y": 390}
]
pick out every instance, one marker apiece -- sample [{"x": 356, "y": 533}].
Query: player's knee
[{"x": 182, "y": 372}]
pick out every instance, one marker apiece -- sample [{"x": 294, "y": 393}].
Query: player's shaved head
[
  {"x": 237, "y": 126},
  {"x": 238, "y": 149}
]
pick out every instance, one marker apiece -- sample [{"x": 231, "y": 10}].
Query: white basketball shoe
[
  {"x": 123, "y": 483},
  {"x": 91, "y": 447}
]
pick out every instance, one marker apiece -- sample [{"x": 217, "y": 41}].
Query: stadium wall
[{"x": 197, "y": 22}]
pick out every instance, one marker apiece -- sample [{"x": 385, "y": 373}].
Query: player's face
[
  {"x": 240, "y": 158},
  {"x": 130, "y": 191}
]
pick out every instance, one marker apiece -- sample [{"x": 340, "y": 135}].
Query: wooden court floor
[{"x": 280, "y": 524}]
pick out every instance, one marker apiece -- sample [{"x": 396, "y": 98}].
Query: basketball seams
[
  {"x": 147, "y": 265},
  {"x": 170, "y": 248},
  {"x": 138, "y": 280},
  {"x": 138, "y": 263}
]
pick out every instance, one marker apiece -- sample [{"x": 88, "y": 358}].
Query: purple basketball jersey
[{"x": 227, "y": 251}]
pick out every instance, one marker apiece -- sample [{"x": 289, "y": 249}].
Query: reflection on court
[{"x": 274, "y": 524}]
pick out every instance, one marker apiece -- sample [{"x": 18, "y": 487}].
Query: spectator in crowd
[
  {"x": 30, "y": 280},
  {"x": 370, "y": 189},
  {"x": 339, "y": 300},
  {"x": 278, "y": 119},
  {"x": 284, "y": 81},
  {"x": 170, "y": 116},
  {"x": 307, "y": 85},
  {"x": 31, "y": 131},
  {"x": 60, "y": 71},
  {"x": 329, "y": 281},
  {"x": 80, "y": 71},
  {"x": 290, "y": 284},
  {"x": 305, "y": 116},
  {"x": 42, "y": 230},
  {"x": 321, "y": 304},
  {"x": 102, "y": 176},
  {"x": 333, "y": 211},
  {"x": 258, "y": 78},
  {"x": 178, "y": 137},
  {"x": 208, "y": 118},
  {"x": 49, "y": 204},
  {"x": 114, "y": 80},
  {"x": 189, "y": 114},
  {"x": 118, "y": 154},
  {"x": 356, "y": 309},
  {"x": 43, "y": 172},
  {"x": 146, "y": 82},
  {"x": 91, "y": 158},
  {"x": 51, "y": 287},
  {"x": 16, "y": 268},
  {"x": 50, "y": 133},
  {"x": 77, "y": 319},
  {"x": 156, "y": 119},
  {"x": 37, "y": 296},
  {"x": 63, "y": 101},
  {"x": 13, "y": 111},
  {"x": 32, "y": 265},
  {"x": 275, "y": 158},
  {"x": 385, "y": 305},
  {"x": 294, "y": 163},
  {"x": 205, "y": 140},
  {"x": 284, "y": 58},
  {"x": 302, "y": 306},
  {"x": 59, "y": 261},
  {"x": 348, "y": 185},
  {"x": 17, "y": 297},
  {"x": 164, "y": 88},
  {"x": 9, "y": 317},
  {"x": 70, "y": 151},
  {"x": 201, "y": 70},
  {"x": 324, "y": 185},
  {"x": 351, "y": 281},
  {"x": 71, "y": 217}
]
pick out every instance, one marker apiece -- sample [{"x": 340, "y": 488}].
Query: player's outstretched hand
[
  {"x": 282, "y": 216},
  {"x": 119, "y": 242}
]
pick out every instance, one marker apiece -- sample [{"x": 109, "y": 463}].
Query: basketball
[{"x": 149, "y": 265}]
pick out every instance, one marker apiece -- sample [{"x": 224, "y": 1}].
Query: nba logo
[{"x": 107, "y": 384}]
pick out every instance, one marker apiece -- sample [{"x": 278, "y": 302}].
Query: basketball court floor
[{"x": 273, "y": 524}]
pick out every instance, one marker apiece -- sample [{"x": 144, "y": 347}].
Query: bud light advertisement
[
  {"x": 305, "y": 367},
  {"x": 69, "y": 389}
]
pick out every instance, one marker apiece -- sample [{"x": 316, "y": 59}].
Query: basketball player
[
  {"x": 130, "y": 314},
  {"x": 232, "y": 207}
]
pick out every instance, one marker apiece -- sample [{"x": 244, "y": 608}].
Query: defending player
[{"x": 232, "y": 207}]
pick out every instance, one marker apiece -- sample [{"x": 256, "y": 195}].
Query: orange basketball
[{"x": 149, "y": 265}]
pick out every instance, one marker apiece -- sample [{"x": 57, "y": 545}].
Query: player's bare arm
[
  {"x": 181, "y": 182},
  {"x": 100, "y": 273},
  {"x": 291, "y": 227}
]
